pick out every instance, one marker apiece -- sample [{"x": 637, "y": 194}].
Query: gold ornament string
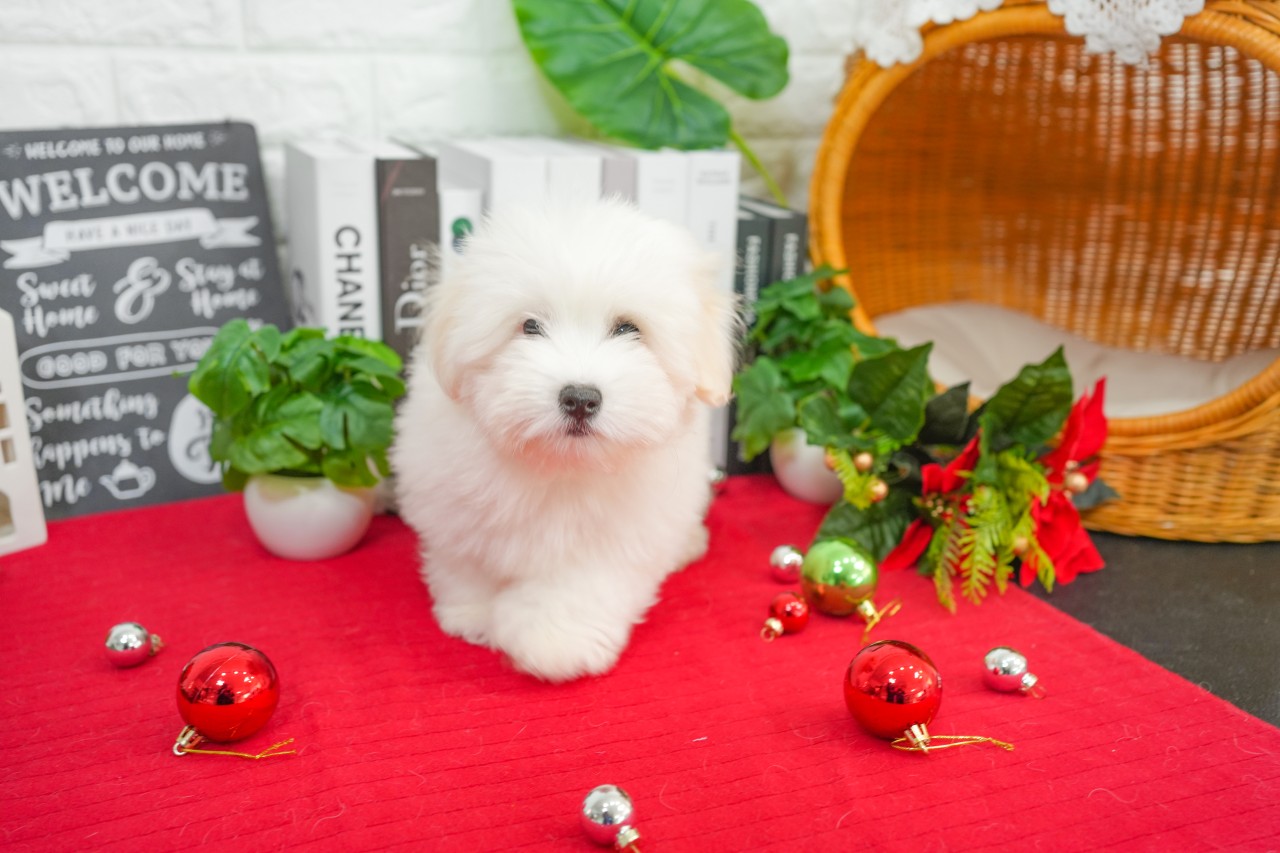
[
  {"x": 189, "y": 736},
  {"x": 873, "y": 616},
  {"x": 906, "y": 744}
]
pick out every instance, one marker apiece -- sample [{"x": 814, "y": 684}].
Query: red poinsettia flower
[
  {"x": 1071, "y": 467},
  {"x": 1082, "y": 438},
  {"x": 937, "y": 481},
  {"x": 1063, "y": 539}
]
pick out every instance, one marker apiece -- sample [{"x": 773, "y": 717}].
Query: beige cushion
[{"x": 987, "y": 345}]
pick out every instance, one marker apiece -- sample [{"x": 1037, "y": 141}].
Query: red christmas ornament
[
  {"x": 891, "y": 687},
  {"x": 226, "y": 693},
  {"x": 893, "y": 690},
  {"x": 788, "y": 614}
]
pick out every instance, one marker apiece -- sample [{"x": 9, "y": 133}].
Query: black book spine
[
  {"x": 408, "y": 234},
  {"x": 790, "y": 245}
]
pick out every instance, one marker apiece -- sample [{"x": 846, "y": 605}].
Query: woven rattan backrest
[{"x": 1138, "y": 207}]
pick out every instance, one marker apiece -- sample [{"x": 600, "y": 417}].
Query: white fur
[{"x": 538, "y": 543}]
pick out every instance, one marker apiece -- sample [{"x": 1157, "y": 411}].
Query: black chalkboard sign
[{"x": 124, "y": 249}]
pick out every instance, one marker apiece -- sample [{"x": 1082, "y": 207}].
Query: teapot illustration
[{"x": 128, "y": 481}]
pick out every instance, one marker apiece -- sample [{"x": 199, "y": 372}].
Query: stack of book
[{"x": 371, "y": 224}]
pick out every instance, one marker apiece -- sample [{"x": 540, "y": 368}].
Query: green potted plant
[
  {"x": 301, "y": 425},
  {"x": 801, "y": 344}
]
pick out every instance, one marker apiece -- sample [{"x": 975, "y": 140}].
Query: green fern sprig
[
  {"x": 988, "y": 530},
  {"x": 857, "y": 484}
]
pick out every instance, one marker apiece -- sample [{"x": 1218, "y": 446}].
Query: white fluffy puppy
[{"x": 552, "y": 450}]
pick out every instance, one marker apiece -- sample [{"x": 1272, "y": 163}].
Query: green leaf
[
  {"x": 284, "y": 428},
  {"x": 375, "y": 350},
  {"x": 892, "y": 389},
  {"x": 869, "y": 346},
  {"x": 765, "y": 406},
  {"x": 308, "y": 361},
  {"x": 264, "y": 451},
  {"x": 293, "y": 414},
  {"x": 611, "y": 59},
  {"x": 1030, "y": 409},
  {"x": 835, "y": 302},
  {"x": 946, "y": 417},
  {"x": 831, "y": 360},
  {"x": 827, "y": 422},
  {"x": 356, "y": 417},
  {"x": 349, "y": 468},
  {"x": 233, "y": 369},
  {"x": 878, "y": 528}
]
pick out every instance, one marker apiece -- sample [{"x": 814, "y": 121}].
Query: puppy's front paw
[
  {"x": 462, "y": 598},
  {"x": 558, "y": 648},
  {"x": 469, "y": 622}
]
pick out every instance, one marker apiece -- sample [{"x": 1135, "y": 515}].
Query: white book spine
[
  {"x": 335, "y": 249},
  {"x": 575, "y": 173},
  {"x": 713, "y": 218},
  {"x": 301, "y": 209},
  {"x": 713, "y": 206},
  {"x": 656, "y": 182},
  {"x": 460, "y": 210},
  {"x": 506, "y": 174}
]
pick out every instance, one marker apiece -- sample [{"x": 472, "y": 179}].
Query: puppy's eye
[
  {"x": 533, "y": 327},
  {"x": 625, "y": 327}
]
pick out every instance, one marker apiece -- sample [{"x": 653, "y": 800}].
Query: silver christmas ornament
[
  {"x": 1005, "y": 669},
  {"x": 129, "y": 644},
  {"x": 607, "y": 817},
  {"x": 786, "y": 562}
]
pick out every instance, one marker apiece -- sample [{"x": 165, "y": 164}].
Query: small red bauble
[
  {"x": 791, "y": 610},
  {"x": 228, "y": 692},
  {"x": 788, "y": 613},
  {"x": 891, "y": 686}
]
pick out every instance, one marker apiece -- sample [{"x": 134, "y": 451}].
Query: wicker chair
[{"x": 1134, "y": 206}]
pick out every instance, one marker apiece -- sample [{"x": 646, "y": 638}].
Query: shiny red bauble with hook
[
  {"x": 228, "y": 692},
  {"x": 891, "y": 686}
]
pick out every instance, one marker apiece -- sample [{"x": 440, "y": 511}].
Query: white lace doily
[
  {"x": 1130, "y": 29},
  {"x": 888, "y": 31}
]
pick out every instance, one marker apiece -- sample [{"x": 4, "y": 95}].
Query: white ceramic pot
[
  {"x": 306, "y": 518},
  {"x": 801, "y": 469}
]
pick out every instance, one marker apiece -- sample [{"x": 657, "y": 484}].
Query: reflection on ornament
[
  {"x": 839, "y": 577},
  {"x": 894, "y": 691},
  {"x": 129, "y": 644},
  {"x": 227, "y": 692},
  {"x": 607, "y": 817},
  {"x": 788, "y": 614},
  {"x": 1005, "y": 669},
  {"x": 785, "y": 563}
]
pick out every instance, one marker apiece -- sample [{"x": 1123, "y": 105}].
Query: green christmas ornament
[{"x": 839, "y": 577}]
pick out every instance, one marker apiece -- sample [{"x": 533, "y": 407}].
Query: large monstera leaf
[{"x": 612, "y": 60}]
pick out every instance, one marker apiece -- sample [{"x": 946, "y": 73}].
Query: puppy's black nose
[{"x": 580, "y": 402}]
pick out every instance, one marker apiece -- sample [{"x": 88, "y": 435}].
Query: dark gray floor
[{"x": 1210, "y": 613}]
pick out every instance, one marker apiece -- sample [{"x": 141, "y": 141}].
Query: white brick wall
[{"x": 414, "y": 69}]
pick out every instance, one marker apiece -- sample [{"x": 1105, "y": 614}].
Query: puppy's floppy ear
[
  {"x": 439, "y": 339},
  {"x": 716, "y": 349}
]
